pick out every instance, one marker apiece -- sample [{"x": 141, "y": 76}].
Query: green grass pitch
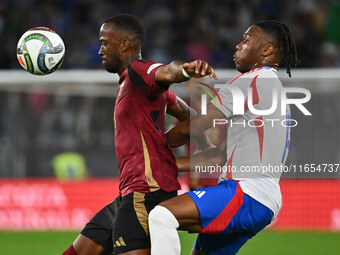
[{"x": 266, "y": 242}]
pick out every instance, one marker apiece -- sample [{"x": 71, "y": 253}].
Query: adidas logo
[
  {"x": 199, "y": 193},
  {"x": 119, "y": 242}
]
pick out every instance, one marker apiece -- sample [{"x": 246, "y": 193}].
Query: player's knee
[
  {"x": 154, "y": 215},
  {"x": 160, "y": 215}
]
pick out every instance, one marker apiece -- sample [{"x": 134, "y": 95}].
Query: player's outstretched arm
[
  {"x": 178, "y": 71},
  {"x": 180, "y": 134}
]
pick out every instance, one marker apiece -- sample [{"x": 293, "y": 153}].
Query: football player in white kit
[{"x": 248, "y": 195}]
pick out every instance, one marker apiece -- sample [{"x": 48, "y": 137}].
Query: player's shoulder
[
  {"x": 262, "y": 72},
  {"x": 267, "y": 77},
  {"x": 143, "y": 63},
  {"x": 143, "y": 66},
  {"x": 267, "y": 72},
  {"x": 263, "y": 78}
]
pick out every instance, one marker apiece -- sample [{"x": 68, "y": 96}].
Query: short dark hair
[
  {"x": 284, "y": 39},
  {"x": 128, "y": 23}
]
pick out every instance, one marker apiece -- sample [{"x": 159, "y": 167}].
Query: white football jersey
[{"x": 257, "y": 142}]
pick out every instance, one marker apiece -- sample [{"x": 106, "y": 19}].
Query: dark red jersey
[{"x": 146, "y": 162}]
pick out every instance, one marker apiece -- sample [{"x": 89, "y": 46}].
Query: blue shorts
[{"x": 229, "y": 218}]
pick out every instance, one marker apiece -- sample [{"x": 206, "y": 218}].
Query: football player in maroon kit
[{"x": 148, "y": 170}]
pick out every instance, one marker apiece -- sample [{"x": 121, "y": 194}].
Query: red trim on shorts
[{"x": 223, "y": 219}]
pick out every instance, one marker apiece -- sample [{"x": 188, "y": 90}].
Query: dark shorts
[{"x": 122, "y": 225}]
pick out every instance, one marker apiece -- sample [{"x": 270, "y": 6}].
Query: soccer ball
[{"x": 40, "y": 51}]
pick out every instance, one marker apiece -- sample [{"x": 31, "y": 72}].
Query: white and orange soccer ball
[{"x": 40, "y": 51}]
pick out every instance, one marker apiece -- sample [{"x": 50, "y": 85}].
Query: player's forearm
[
  {"x": 180, "y": 110},
  {"x": 179, "y": 135},
  {"x": 183, "y": 164},
  {"x": 171, "y": 73},
  {"x": 202, "y": 139},
  {"x": 211, "y": 157},
  {"x": 203, "y": 142},
  {"x": 177, "y": 71}
]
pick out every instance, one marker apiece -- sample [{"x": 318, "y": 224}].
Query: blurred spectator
[
  {"x": 180, "y": 29},
  {"x": 69, "y": 165},
  {"x": 174, "y": 29}
]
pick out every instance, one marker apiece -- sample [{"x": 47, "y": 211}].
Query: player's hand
[{"x": 198, "y": 69}]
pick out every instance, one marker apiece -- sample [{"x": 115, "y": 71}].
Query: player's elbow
[
  {"x": 184, "y": 130},
  {"x": 185, "y": 114},
  {"x": 179, "y": 135}
]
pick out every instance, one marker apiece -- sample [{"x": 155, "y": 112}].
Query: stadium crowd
[{"x": 174, "y": 29}]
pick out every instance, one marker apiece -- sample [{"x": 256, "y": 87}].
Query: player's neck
[
  {"x": 259, "y": 65},
  {"x": 128, "y": 60}
]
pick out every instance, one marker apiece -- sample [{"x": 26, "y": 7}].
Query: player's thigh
[
  {"x": 131, "y": 230},
  {"x": 229, "y": 217},
  {"x": 220, "y": 244},
  {"x": 98, "y": 231},
  {"x": 137, "y": 252},
  {"x": 184, "y": 209},
  {"x": 85, "y": 246},
  {"x": 196, "y": 209}
]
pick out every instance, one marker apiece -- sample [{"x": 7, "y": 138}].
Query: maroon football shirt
[{"x": 146, "y": 162}]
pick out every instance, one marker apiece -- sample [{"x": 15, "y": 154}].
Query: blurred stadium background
[{"x": 57, "y": 158}]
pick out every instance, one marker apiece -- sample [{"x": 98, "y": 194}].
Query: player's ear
[
  {"x": 267, "y": 50},
  {"x": 124, "y": 45}
]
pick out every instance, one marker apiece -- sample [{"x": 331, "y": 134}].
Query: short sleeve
[
  {"x": 227, "y": 102},
  {"x": 170, "y": 98},
  {"x": 142, "y": 74}
]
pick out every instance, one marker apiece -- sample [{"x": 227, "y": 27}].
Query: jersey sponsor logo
[
  {"x": 120, "y": 242},
  {"x": 199, "y": 193}
]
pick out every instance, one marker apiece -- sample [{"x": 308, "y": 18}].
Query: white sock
[{"x": 163, "y": 232}]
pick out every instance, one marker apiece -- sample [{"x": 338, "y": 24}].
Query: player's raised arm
[{"x": 177, "y": 71}]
